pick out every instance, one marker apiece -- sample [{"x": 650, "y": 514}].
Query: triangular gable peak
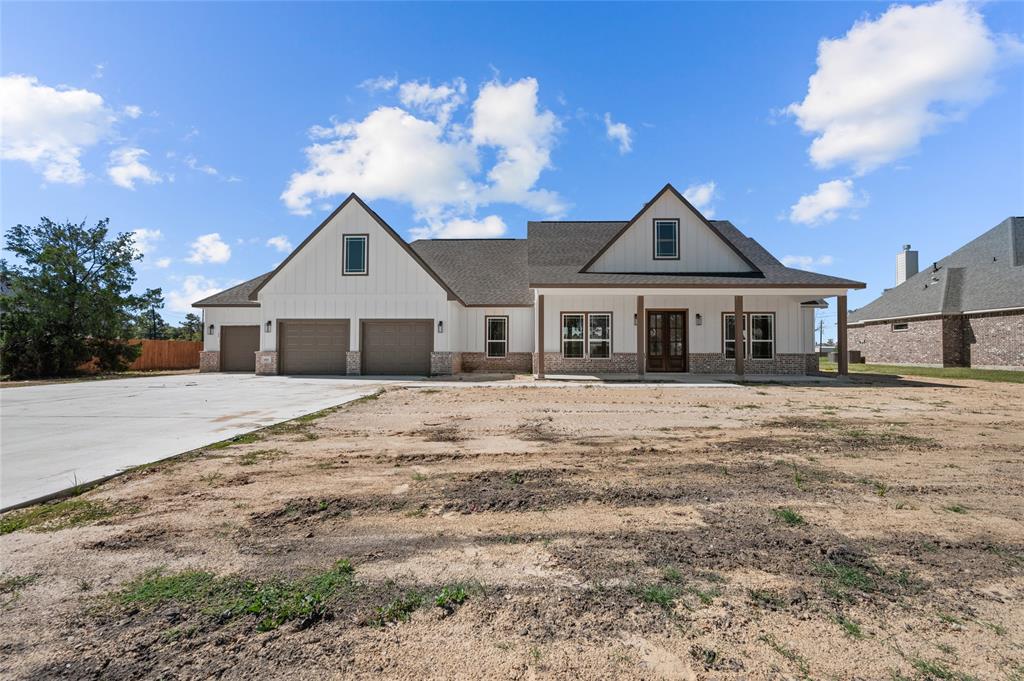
[
  {"x": 315, "y": 266},
  {"x": 701, "y": 247}
]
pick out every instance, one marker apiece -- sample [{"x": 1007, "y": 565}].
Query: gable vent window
[
  {"x": 666, "y": 239},
  {"x": 900, "y": 326},
  {"x": 354, "y": 259}
]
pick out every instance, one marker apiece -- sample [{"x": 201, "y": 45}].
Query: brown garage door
[
  {"x": 313, "y": 346},
  {"x": 238, "y": 346},
  {"x": 399, "y": 346}
]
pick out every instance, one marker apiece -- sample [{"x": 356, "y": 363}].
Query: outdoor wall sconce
[
  {"x": 269, "y": 325},
  {"x": 211, "y": 329},
  {"x": 700, "y": 320},
  {"x": 634, "y": 319},
  {"x": 440, "y": 326}
]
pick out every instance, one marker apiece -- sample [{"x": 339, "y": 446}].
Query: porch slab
[{"x": 700, "y": 380}]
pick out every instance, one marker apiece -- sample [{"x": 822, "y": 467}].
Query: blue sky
[{"x": 251, "y": 121}]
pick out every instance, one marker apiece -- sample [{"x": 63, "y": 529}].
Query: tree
[
  {"x": 70, "y": 300},
  {"x": 191, "y": 329}
]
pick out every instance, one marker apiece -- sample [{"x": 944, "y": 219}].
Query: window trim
[
  {"x": 365, "y": 238},
  {"x": 750, "y": 333},
  {"x": 905, "y": 325},
  {"x": 488, "y": 341},
  {"x": 586, "y": 333},
  {"x": 654, "y": 238},
  {"x": 747, "y": 336}
]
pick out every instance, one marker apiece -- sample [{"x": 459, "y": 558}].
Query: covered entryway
[
  {"x": 238, "y": 348},
  {"x": 312, "y": 346},
  {"x": 397, "y": 346},
  {"x": 666, "y": 340}
]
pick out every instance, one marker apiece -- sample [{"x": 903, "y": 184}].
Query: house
[
  {"x": 355, "y": 298},
  {"x": 964, "y": 310}
]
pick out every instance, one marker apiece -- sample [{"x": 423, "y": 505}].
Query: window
[
  {"x": 900, "y": 326},
  {"x": 497, "y": 336},
  {"x": 599, "y": 335},
  {"x": 666, "y": 239},
  {"x": 354, "y": 257},
  {"x": 572, "y": 335},
  {"x": 757, "y": 343}
]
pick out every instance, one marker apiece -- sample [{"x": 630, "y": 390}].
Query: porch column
[
  {"x": 841, "y": 344},
  {"x": 740, "y": 345},
  {"x": 641, "y": 359},
  {"x": 540, "y": 336}
]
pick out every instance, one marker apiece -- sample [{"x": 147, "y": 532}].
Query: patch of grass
[
  {"x": 798, "y": 479},
  {"x": 56, "y": 515},
  {"x": 933, "y": 669},
  {"x": 272, "y": 602},
  {"x": 10, "y": 588},
  {"x": 671, "y": 574},
  {"x": 931, "y": 372},
  {"x": 243, "y": 439},
  {"x": 948, "y": 618},
  {"x": 259, "y": 455},
  {"x": 451, "y": 596},
  {"x": 398, "y": 610},
  {"x": 849, "y": 626},
  {"x": 706, "y": 596},
  {"x": 747, "y": 406},
  {"x": 997, "y": 629},
  {"x": 955, "y": 508},
  {"x": 789, "y": 516},
  {"x": 766, "y": 598},
  {"x": 846, "y": 576},
  {"x": 794, "y": 657},
  {"x": 663, "y": 595},
  {"x": 880, "y": 488}
]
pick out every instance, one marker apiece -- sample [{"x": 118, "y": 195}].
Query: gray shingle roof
[
  {"x": 480, "y": 271},
  {"x": 558, "y": 251},
  {"x": 984, "y": 274},
  {"x": 236, "y": 296}
]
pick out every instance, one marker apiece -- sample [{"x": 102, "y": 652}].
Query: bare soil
[{"x": 869, "y": 531}]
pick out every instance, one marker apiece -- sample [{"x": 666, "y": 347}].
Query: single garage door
[
  {"x": 312, "y": 346},
  {"x": 400, "y": 346},
  {"x": 238, "y": 346}
]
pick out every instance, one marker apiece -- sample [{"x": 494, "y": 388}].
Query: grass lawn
[{"x": 933, "y": 372}]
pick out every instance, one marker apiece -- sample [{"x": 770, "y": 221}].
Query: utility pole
[{"x": 821, "y": 332}]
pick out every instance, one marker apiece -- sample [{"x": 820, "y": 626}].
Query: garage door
[
  {"x": 397, "y": 346},
  {"x": 238, "y": 346},
  {"x": 313, "y": 346}
]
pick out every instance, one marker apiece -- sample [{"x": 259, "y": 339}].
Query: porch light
[
  {"x": 440, "y": 326},
  {"x": 700, "y": 319},
  {"x": 211, "y": 329},
  {"x": 634, "y": 319},
  {"x": 268, "y": 326}
]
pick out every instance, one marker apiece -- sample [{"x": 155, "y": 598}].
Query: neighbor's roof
[
  {"x": 480, "y": 271},
  {"x": 236, "y": 296},
  {"x": 984, "y": 274},
  {"x": 560, "y": 251}
]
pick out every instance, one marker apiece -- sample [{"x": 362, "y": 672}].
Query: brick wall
[
  {"x": 954, "y": 350},
  {"x": 514, "y": 362},
  {"x": 266, "y": 363},
  {"x": 995, "y": 340},
  {"x": 921, "y": 344},
  {"x": 782, "y": 364},
  {"x": 353, "y": 363},
  {"x": 445, "y": 363},
  {"x": 618, "y": 363},
  {"x": 209, "y": 360}
]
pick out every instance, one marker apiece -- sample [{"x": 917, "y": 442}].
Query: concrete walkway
[{"x": 53, "y": 437}]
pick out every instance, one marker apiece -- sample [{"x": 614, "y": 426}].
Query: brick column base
[
  {"x": 266, "y": 363},
  {"x": 445, "y": 363},
  {"x": 353, "y": 363},
  {"x": 209, "y": 360}
]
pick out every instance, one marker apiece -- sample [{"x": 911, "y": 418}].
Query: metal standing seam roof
[{"x": 984, "y": 274}]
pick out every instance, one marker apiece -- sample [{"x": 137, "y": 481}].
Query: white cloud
[
  {"x": 619, "y": 132},
  {"x": 824, "y": 204},
  {"x": 97, "y": 72},
  {"x": 701, "y": 196},
  {"x": 145, "y": 240},
  {"x": 194, "y": 164},
  {"x": 49, "y": 128},
  {"x": 379, "y": 84},
  {"x": 132, "y": 111},
  {"x": 163, "y": 263},
  {"x": 209, "y": 248},
  {"x": 194, "y": 288},
  {"x": 462, "y": 228},
  {"x": 126, "y": 166},
  {"x": 416, "y": 154},
  {"x": 281, "y": 243},
  {"x": 890, "y": 81},
  {"x": 806, "y": 262}
]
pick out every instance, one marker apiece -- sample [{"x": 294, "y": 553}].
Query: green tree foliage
[{"x": 70, "y": 299}]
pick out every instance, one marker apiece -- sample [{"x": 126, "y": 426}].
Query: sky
[{"x": 222, "y": 134}]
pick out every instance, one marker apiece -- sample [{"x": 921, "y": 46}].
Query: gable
[
  {"x": 315, "y": 266},
  {"x": 702, "y": 249}
]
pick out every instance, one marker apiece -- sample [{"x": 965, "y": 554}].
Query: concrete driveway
[{"x": 55, "y": 436}]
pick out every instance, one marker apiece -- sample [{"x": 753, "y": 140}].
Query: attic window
[
  {"x": 354, "y": 256},
  {"x": 666, "y": 239},
  {"x": 900, "y": 326}
]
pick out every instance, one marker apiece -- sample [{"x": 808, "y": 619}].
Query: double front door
[{"x": 666, "y": 340}]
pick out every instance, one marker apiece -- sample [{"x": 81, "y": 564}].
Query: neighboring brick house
[{"x": 964, "y": 310}]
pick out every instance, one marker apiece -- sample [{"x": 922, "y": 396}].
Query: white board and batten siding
[
  {"x": 700, "y": 249},
  {"x": 793, "y": 333},
  {"x": 469, "y": 331},
  {"x": 226, "y": 316},
  {"x": 311, "y": 284}
]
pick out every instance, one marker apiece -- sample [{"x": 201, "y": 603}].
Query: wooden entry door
[{"x": 666, "y": 340}]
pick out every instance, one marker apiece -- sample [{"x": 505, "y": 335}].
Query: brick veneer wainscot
[
  {"x": 920, "y": 344},
  {"x": 445, "y": 363},
  {"x": 514, "y": 362},
  {"x": 209, "y": 360},
  {"x": 618, "y": 363},
  {"x": 792, "y": 364},
  {"x": 995, "y": 339},
  {"x": 266, "y": 363},
  {"x": 353, "y": 363}
]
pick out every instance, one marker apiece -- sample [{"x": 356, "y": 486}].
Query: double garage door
[{"x": 319, "y": 346}]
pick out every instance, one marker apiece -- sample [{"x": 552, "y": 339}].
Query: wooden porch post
[
  {"x": 740, "y": 345},
  {"x": 540, "y": 336},
  {"x": 641, "y": 356},
  {"x": 841, "y": 344}
]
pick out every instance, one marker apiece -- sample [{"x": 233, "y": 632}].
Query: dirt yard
[{"x": 874, "y": 531}]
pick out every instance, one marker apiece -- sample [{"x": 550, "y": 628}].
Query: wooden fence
[{"x": 160, "y": 355}]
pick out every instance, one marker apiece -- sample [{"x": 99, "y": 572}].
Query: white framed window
[
  {"x": 355, "y": 259},
  {"x": 729, "y": 335},
  {"x": 758, "y": 335},
  {"x": 666, "y": 239},
  {"x": 573, "y": 342},
  {"x": 497, "y": 336},
  {"x": 599, "y": 335},
  {"x": 900, "y": 326}
]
